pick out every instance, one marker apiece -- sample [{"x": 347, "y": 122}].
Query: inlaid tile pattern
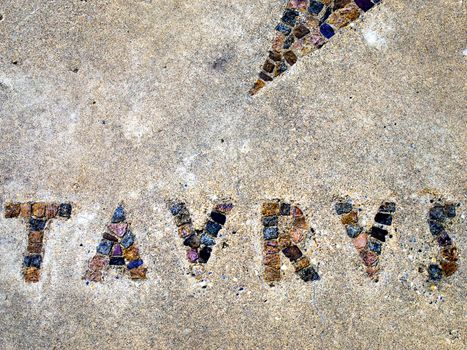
[
  {"x": 117, "y": 249},
  {"x": 445, "y": 264},
  {"x": 37, "y": 216},
  {"x": 199, "y": 243},
  {"x": 305, "y": 26},
  {"x": 284, "y": 229},
  {"x": 368, "y": 243}
]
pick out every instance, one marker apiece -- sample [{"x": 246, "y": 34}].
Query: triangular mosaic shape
[
  {"x": 117, "y": 248},
  {"x": 305, "y": 26}
]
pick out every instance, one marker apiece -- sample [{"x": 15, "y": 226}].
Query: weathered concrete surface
[{"x": 104, "y": 101}]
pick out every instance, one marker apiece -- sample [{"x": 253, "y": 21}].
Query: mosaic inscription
[
  {"x": 445, "y": 264},
  {"x": 37, "y": 216},
  {"x": 199, "y": 243},
  {"x": 369, "y": 243},
  {"x": 117, "y": 249},
  {"x": 284, "y": 230},
  {"x": 305, "y": 26}
]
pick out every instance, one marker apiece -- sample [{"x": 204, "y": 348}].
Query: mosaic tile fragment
[
  {"x": 305, "y": 26},
  {"x": 117, "y": 249},
  {"x": 37, "y": 216}
]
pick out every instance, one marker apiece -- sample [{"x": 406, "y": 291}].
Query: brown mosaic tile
[
  {"x": 25, "y": 210},
  {"x": 51, "y": 210},
  {"x": 12, "y": 210},
  {"x": 94, "y": 276},
  {"x": 344, "y": 16},
  {"x": 449, "y": 253},
  {"x": 271, "y": 274},
  {"x": 449, "y": 268},
  {"x": 32, "y": 274},
  {"x": 131, "y": 253},
  {"x": 300, "y": 31},
  {"x": 36, "y": 236},
  {"x": 268, "y": 66},
  {"x": 271, "y": 247},
  {"x": 272, "y": 260},
  {"x": 138, "y": 273},
  {"x": 292, "y": 252},
  {"x": 38, "y": 209},
  {"x": 301, "y": 263},
  {"x": 270, "y": 209},
  {"x": 290, "y": 57},
  {"x": 350, "y": 218},
  {"x": 34, "y": 248}
]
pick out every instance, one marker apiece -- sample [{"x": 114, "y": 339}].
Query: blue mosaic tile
[
  {"x": 437, "y": 213},
  {"x": 290, "y": 17},
  {"x": 450, "y": 210},
  {"x": 117, "y": 261},
  {"x": 218, "y": 217},
  {"x": 308, "y": 274},
  {"x": 388, "y": 207},
  {"x": 283, "y": 29},
  {"x": 444, "y": 239},
  {"x": 128, "y": 239},
  {"x": 37, "y": 224},
  {"x": 285, "y": 209},
  {"x": 176, "y": 208},
  {"x": 134, "y": 264},
  {"x": 375, "y": 247},
  {"x": 288, "y": 42},
  {"x": 343, "y": 207},
  {"x": 64, "y": 210},
  {"x": 104, "y": 247},
  {"x": 269, "y": 221},
  {"x": 119, "y": 215},
  {"x": 282, "y": 68},
  {"x": 353, "y": 230},
  {"x": 204, "y": 254},
  {"x": 383, "y": 219},
  {"x": 213, "y": 228},
  {"x": 33, "y": 261},
  {"x": 379, "y": 233},
  {"x": 326, "y": 30},
  {"x": 435, "y": 272},
  {"x": 365, "y": 5},
  {"x": 435, "y": 227},
  {"x": 315, "y": 7},
  {"x": 270, "y": 233},
  {"x": 326, "y": 15},
  {"x": 207, "y": 240}
]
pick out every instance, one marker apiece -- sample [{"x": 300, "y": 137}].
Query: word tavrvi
[{"x": 284, "y": 232}]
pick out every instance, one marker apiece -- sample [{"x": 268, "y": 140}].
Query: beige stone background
[{"x": 109, "y": 101}]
